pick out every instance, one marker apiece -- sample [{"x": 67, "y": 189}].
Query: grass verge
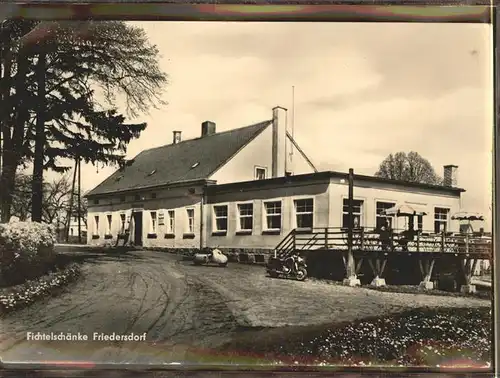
[
  {"x": 420, "y": 337},
  {"x": 23, "y": 295}
]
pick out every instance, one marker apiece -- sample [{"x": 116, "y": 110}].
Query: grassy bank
[
  {"x": 49, "y": 284},
  {"x": 429, "y": 337}
]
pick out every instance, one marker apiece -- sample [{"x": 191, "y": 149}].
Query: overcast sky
[{"x": 362, "y": 91}]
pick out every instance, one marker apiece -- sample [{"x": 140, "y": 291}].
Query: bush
[{"x": 24, "y": 246}]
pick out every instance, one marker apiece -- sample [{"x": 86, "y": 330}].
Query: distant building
[
  {"x": 73, "y": 227},
  {"x": 72, "y": 231},
  {"x": 247, "y": 188}
]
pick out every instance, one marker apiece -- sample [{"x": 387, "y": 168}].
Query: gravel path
[
  {"x": 141, "y": 292},
  {"x": 180, "y": 307},
  {"x": 260, "y": 301}
]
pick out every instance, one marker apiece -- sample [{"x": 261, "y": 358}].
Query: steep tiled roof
[{"x": 175, "y": 163}]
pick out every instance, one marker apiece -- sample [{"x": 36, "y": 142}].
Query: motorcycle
[
  {"x": 207, "y": 257},
  {"x": 294, "y": 267}
]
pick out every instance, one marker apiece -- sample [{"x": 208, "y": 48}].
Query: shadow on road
[{"x": 97, "y": 257}]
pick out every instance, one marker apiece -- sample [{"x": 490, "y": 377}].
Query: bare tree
[
  {"x": 410, "y": 167},
  {"x": 56, "y": 198}
]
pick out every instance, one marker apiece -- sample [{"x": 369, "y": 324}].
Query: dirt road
[{"x": 180, "y": 307}]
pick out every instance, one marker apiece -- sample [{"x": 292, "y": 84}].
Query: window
[
  {"x": 153, "y": 195},
  {"x": 122, "y": 223},
  {"x": 273, "y": 215},
  {"x": 161, "y": 219},
  {"x": 96, "y": 202},
  {"x": 71, "y": 231},
  {"x": 304, "y": 213},
  {"x": 220, "y": 213},
  {"x": 260, "y": 173},
  {"x": 420, "y": 222},
  {"x": 122, "y": 199},
  {"x": 440, "y": 219},
  {"x": 245, "y": 213},
  {"x": 153, "y": 222},
  {"x": 357, "y": 212},
  {"x": 96, "y": 225},
  {"x": 109, "y": 219},
  {"x": 75, "y": 219},
  {"x": 381, "y": 219},
  {"x": 137, "y": 197},
  {"x": 190, "y": 215},
  {"x": 171, "y": 222}
]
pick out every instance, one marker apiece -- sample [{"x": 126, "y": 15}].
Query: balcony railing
[{"x": 372, "y": 240}]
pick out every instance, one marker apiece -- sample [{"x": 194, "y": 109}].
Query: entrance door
[{"x": 138, "y": 228}]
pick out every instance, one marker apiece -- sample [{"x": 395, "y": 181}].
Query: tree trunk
[
  {"x": 13, "y": 144},
  {"x": 7, "y": 180},
  {"x": 6, "y": 174},
  {"x": 37, "y": 183}
]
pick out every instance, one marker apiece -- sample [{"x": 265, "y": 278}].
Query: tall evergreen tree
[{"x": 70, "y": 80}]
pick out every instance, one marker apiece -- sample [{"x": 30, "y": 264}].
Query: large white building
[{"x": 247, "y": 188}]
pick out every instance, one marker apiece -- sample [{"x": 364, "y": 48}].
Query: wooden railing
[{"x": 370, "y": 240}]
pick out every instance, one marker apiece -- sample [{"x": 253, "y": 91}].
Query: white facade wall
[
  {"x": 257, "y": 154},
  {"x": 327, "y": 197},
  {"x": 182, "y": 201},
  {"x": 371, "y": 193}
]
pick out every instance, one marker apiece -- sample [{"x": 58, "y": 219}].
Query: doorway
[{"x": 137, "y": 228}]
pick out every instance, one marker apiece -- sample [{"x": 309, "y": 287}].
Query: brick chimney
[
  {"x": 207, "y": 128},
  {"x": 177, "y": 137},
  {"x": 279, "y": 142},
  {"x": 450, "y": 175}
]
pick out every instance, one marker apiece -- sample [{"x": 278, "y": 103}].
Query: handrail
[{"x": 366, "y": 239}]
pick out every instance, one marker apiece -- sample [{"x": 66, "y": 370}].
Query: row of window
[
  {"x": 156, "y": 219},
  {"x": 272, "y": 217},
  {"x": 441, "y": 216},
  {"x": 304, "y": 211}
]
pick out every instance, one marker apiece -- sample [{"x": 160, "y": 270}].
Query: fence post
[
  {"x": 418, "y": 241},
  {"x": 362, "y": 240},
  {"x": 326, "y": 237},
  {"x": 442, "y": 241}
]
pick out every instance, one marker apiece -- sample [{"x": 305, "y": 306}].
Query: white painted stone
[
  {"x": 427, "y": 285},
  {"x": 377, "y": 281},
  {"x": 352, "y": 281},
  {"x": 468, "y": 289}
]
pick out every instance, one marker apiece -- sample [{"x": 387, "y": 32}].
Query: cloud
[{"x": 362, "y": 91}]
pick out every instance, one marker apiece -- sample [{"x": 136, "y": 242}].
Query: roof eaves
[
  {"x": 329, "y": 174},
  {"x": 91, "y": 192},
  {"x": 407, "y": 183},
  {"x": 147, "y": 187}
]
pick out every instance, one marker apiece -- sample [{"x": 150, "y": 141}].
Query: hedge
[{"x": 25, "y": 294}]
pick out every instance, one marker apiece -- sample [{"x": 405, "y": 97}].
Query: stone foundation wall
[{"x": 240, "y": 255}]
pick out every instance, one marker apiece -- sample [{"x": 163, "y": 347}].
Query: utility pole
[
  {"x": 70, "y": 210},
  {"x": 351, "y": 279},
  {"x": 79, "y": 201}
]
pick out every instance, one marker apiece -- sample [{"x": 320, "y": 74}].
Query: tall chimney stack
[
  {"x": 207, "y": 128},
  {"x": 450, "y": 175},
  {"x": 177, "y": 137},
  {"x": 279, "y": 142}
]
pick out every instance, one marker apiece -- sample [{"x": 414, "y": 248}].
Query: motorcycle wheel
[
  {"x": 273, "y": 274},
  {"x": 301, "y": 274}
]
